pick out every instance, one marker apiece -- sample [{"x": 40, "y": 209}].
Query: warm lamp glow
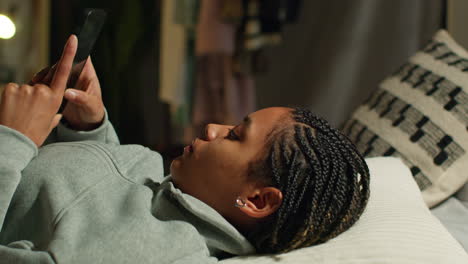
[{"x": 7, "y": 27}]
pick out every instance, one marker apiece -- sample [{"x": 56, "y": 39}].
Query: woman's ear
[{"x": 262, "y": 202}]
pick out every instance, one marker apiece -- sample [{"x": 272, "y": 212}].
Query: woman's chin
[{"x": 175, "y": 165}]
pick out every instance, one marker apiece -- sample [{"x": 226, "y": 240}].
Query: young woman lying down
[{"x": 70, "y": 193}]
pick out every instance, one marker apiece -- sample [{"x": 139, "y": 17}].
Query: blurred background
[{"x": 168, "y": 67}]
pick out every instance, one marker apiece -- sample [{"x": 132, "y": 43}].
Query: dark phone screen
[{"x": 88, "y": 32}]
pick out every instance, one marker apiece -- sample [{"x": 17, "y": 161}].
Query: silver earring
[{"x": 240, "y": 203}]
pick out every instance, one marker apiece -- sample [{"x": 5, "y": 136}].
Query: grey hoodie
[{"x": 84, "y": 198}]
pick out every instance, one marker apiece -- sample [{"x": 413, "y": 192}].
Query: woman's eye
[{"x": 232, "y": 135}]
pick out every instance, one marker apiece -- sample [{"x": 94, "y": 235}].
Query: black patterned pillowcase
[{"x": 420, "y": 114}]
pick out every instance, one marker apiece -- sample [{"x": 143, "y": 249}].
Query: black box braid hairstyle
[{"x": 323, "y": 178}]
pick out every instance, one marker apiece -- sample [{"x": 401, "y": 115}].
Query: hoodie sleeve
[
  {"x": 104, "y": 133},
  {"x": 16, "y": 151}
]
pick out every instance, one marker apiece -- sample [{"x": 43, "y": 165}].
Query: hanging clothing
[
  {"x": 173, "y": 53},
  {"x": 213, "y": 35},
  {"x": 186, "y": 12},
  {"x": 262, "y": 27},
  {"x": 264, "y": 21},
  {"x": 221, "y": 94},
  {"x": 232, "y": 11},
  {"x": 179, "y": 19}
]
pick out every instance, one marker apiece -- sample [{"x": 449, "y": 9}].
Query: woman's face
[{"x": 216, "y": 171}]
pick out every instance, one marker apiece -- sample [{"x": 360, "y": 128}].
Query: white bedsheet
[{"x": 453, "y": 213}]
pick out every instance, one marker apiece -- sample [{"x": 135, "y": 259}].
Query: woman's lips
[
  {"x": 187, "y": 149},
  {"x": 190, "y": 148}
]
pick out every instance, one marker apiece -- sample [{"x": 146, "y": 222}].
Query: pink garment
[
  {"x": 213, "y": 36},
  {"x": 220, "y": 95}
]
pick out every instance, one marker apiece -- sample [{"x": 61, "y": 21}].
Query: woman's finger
[
  {"x": 48, "y": 78},
  {"x": 11, "y": 88},
  {"x": 78, "y": 97},
  {"x": 59, "y": 81},
  {"x": 88, "y": 69}
]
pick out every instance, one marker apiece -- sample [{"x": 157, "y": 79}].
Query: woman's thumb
[{"x": 77, "y": 97}]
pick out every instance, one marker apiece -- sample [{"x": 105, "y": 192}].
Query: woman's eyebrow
[
  {"x": 247, "y": 120},
  {"x": 246, "y": 125}
]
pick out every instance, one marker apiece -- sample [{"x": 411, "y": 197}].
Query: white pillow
[{"x": 396, "y": 227}]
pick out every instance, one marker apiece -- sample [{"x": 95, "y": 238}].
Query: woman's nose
[{"x": 213, "y": 131}]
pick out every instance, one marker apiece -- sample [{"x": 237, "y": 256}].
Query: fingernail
[
  {"x": 70, "y": 39},
  {"x": 71, "y": 94}
]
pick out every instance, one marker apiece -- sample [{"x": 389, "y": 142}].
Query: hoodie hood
[{"x": 222, "y": 238}]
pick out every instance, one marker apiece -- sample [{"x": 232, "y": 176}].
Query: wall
[
  {"x": 338, "y": 52},
  {"x": 457, "y": 21}
]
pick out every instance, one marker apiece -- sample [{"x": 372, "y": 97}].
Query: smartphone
[{"x": 89, "y": 27}]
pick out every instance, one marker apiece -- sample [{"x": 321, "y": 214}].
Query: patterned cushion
[{"x": 420, "y": 114}]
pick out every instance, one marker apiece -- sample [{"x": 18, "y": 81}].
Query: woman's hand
[
  {"x": 32, "y": 110},
  {"x": 85, "y": 109}
]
